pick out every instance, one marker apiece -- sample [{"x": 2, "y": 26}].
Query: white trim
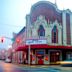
[
  {"x": 40, "y": 21},
  {"x": 59, "y": 27},
  {"x": 64, "y": 28},
  {"x": 28, "y": 23},
  {"x": 71, "y": 26}
]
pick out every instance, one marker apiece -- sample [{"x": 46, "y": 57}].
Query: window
[
  {"x": 69, "y": 56},
  {"x": 41, "y": 31},
  {"x": 54, "y": 35}
]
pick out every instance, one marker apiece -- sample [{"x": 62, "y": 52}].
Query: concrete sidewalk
[
  {"x": 55, "y": 67},
  {"x": 44, "y": 66}
]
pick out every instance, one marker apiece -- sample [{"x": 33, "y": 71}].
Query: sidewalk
[{"x": 57, "y": 67}]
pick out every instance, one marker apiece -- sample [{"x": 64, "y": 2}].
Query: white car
[
  {"x": 64, "y": 62},
  {"x": 8, "y": 60}
]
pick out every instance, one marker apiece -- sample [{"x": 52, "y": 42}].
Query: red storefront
[{"x": 46, "y": 54}]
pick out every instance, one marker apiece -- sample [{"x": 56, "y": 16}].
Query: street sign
[{"x": 36, "y": 41}]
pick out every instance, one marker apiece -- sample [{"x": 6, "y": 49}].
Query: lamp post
[
  {"x": 29, "y": 48},
  {"x": 29, "y": 55}
]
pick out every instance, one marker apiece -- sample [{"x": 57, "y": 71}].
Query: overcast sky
[{"x": 13, "y": 12}]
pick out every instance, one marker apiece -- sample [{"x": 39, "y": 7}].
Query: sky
[{"x": 13, "y": 16}]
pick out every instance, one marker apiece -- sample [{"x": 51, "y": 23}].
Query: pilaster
[
  {"x": 64, "y": 27},
  {"x": 71, "y": 26},
  {"x": 27, "y": 26}
]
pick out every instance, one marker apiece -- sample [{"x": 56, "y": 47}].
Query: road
[{"x": 9, "y": 67}]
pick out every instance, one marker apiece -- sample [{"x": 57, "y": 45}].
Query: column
[
  {"x": 28, "y": 34},
  {"x": 64, "y": 27},
  {"x": 71, "y": 26},
  {"x": 29, "y": 55},
  {"x": 60, "y": 36},
  {"x": 27, "y": 26},
  {"x": 49, "y": 37}
]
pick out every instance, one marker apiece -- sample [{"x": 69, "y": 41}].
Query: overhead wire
[{"x": 11, "y": 25}]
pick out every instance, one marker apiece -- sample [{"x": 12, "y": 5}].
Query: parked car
[
  {"x": 8, "y": 60},
  {"x": 66, "y": 63}
]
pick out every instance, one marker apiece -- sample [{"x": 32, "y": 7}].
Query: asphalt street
[{"x": 10, "y": 67}]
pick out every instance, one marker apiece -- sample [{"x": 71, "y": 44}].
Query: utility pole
[{"x": 29, "y": 55}]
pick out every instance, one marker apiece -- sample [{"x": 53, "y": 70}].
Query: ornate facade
[{"x": 47, "y": 22}]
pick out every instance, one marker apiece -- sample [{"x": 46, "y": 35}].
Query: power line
[{"x": 11, "y": 25}]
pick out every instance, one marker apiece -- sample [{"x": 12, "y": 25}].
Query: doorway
[
  {"x": 40, "y": 57},
  {"x": 54, "y": 56},
  {"x": 40, "y": 60}
]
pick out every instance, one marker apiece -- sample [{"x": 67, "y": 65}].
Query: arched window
[
  {"x": 55, "y": 35},
  {"x": 41, "y": 31}
]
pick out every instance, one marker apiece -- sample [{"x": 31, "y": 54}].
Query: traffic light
[
  {"x": 2, "y": 39},
  {"x": 18, "y": 40},
  {"x": 13, "y": 39}
]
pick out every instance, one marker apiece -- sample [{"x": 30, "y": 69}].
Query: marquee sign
[{"x": 36, "y": 41}]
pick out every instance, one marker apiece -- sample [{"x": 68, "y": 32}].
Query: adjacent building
[{"x": 47, "y": 37}]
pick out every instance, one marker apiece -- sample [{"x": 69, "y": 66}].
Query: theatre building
[{"x": 47, "y": 37}]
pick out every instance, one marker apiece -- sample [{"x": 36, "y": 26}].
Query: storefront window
[
  {"x": 40, "y": 52},
  {"x": 69, "y": 56}
]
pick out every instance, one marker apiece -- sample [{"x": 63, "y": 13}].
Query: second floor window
[
  {"x": 41, "y": 31},
  {"x": 55, "y": 35}
]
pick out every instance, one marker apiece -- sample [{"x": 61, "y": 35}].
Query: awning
[
  {"x": 42, "y": 46},
  {"x": 22, "y": 48}
]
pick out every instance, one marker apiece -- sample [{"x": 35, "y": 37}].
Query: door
[
  {"x": 40, "y": 57},
  {"x": 40, "y": 60},
  {"x": 54, "y": 57}
]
